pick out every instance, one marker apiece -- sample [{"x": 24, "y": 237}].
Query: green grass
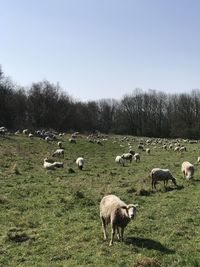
[{"x": 51, "y": 218}]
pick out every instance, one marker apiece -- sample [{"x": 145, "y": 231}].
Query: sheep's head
[
  {"x": 174, "y": 181},
  {"x": 131, "y": 210}
]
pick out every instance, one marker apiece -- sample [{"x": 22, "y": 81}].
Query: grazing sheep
[
  {"x": 170, "y": 146},
  {"x": 60, "y": 144},
  {"x": 47, "y": 139},
  {"x": 48, "y": 165},
  {"x": 182, "y": 148},
  {"x": 187, "y": 169},
  {"x": 120, "y": 160},
  {"x": 176, "y": 148},
  {"x": 114, "y": 211},
  {"x": 127, "y": 156},
  {"x": 141, "y": 147},
  {"x": 136, "y": 157},
  {"x": 80, "y": 162},
  {"x": 30, "y": 135},
  {"x": 164, "y": 146},
  {"x": 58, "y": 164},
  {"x": 198, "y": 159},
  {"x": 132, "y": 151},
  {"x": 147, "y": 150},
  {"x": 25, "y": 131},
  {"x": 58, "y": 152},
  {"x": 158, "y": 174},
  {"x": 72, "y": 140}
]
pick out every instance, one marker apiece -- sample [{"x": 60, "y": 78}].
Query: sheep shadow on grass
[{"x": 148, "y": 244}]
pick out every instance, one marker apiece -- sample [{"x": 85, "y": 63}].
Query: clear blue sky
[{"x": 102, "y": 48}]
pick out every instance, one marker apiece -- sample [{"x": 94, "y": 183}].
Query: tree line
[{"x": 46, "y": 106}]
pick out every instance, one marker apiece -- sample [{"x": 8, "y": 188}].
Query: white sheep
[
  {"x": 127, "y": 156},
  {"x": 136, "y": 157},
  {"x": 187, "y": 169},
  {"x": 48, "y": 165},
  {"x": 48, "y": 139},
  {"x": 164, "y": 175},
  {"x": 80, "y": 162},
  {"x": 58, "y": 152},
  {"x": 72, "y": 140},
  {"x": 198, "y": 159},
  {"x": 114, "y": 211},
  {"x": 148, "y": 150},
  {"x": 119, "y": 160},
  {"x": 132, "y": 151},
  {"x": 60, "y": 144},
  {"x": 25, "y": 131},
  {"x": 182, "y": 148},
  {"x": 58, "y": 164},
  {"x": 176, "y": 148}
]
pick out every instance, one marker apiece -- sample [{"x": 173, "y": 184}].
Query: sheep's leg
[
  {"x": 118, "y": 233},
  {"x": 112, "y": 234},
  {"x": 104, "y": 228},
  {"x": 122, "y": 234},
  {"x": 152, "y": 183}
]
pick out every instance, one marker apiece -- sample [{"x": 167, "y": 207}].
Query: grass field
[{"x": 51, "y": 218}]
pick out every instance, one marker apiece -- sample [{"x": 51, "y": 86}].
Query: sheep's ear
[
  {"x": 135, "y": 205},
  {"x": 123, "y": 207}
]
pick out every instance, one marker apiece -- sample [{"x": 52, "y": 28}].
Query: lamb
[
  {"x": 80, "y": 162},
  {"x": 137, "y": 157},
  {"x": 187, "y": 169},
  {"x": 58, "y": 152},
  {"x": 114, "y": 211},
  {"x": 119, "y": 160},
  {"x": 158, "y": 174},
  {"x": 127, "y": 156}
]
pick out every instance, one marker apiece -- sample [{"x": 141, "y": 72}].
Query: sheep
[
  {"x": 141, "y": 147},
  {"x": 114, "y": 211},
  {"x": 30, "y": 135},
  {"x": 25, "y": 131},
  {"x": 58, "y": 152},
  {"x": 127, "y": 156},
  {"x": 132, "y": 151},
  {"x": 182, "y": 148},
  {"x": 137, "y": 157},
  {"x": 119, "y": 160},
  {"x": 72, "y": 140},
  {"x": 60, "y": 144},
  {"x": 48, "y": 165},
  {"x": 80, "y": 162},
  {"x": 187, "y": 169},
  {"x": 147, "y": 150},
  {"x": 198, "y": 159},
  {"x": 176, "y": 148},
  {"x": 158, "y": 174},
  {"x": 164, "y": 146},
  {"x": 48, "y": 139},
  {"x": 58, "y": 164}
]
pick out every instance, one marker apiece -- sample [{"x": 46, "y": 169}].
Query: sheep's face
[
  {"x": 174, "y": 181},
  {"x": 131, "y": 210}
]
